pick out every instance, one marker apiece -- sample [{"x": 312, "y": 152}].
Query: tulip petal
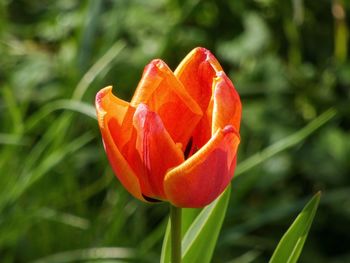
[
  {"x": 112, "y": 113},
  {"x": 205, "y": 175},
  {"x": 196, "y": 72},
  {"x": 164, "y": 94},
  {"x": 157, "y": 150},
  {"x": 227, "y": 105}
]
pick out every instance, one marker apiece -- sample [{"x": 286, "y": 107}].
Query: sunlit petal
[
  {"x": 156, "y": 149},
  {"x": 112, "y": 110},
  {"x": 164, "y": 94},
  {"x": 202, "y": 177},
  {"x": 196, "y": 72},
  {"x": 227, "y": 105}
]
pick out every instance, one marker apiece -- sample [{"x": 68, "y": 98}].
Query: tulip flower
[{"x": 177, "y": 139}]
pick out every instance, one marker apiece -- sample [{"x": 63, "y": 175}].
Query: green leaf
[
  {"x": 36, "y": 173},
  {"x": 97, "y": 68},
  {"x": 89, "y": 254},
  {"x": 188, "y": 216},
  {"x": 199, "y": 241},
  {"x": 289, "y": 248},
  {"x": 166, "y": 247},
  {"x": 72, "y": 105},
  {"x": 285, "y": 143}
]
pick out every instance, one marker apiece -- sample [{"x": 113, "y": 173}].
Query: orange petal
[
  {"x": 205, "y": 175},
  {"x": 156, "y": 149},
  {"x": 227, "y": 104},
  {"x": 164, "y": 94},
  {"x": 196, "y": 72},
  {"x": 112, "y": 113}
]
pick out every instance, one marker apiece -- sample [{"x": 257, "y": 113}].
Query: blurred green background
[{"x": 59, "y": 200}]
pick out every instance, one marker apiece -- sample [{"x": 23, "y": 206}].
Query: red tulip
[{"x": 177, "y": 139}]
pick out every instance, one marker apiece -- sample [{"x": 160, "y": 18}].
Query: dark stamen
[
  {"x": 188, "y": 148},
  {"x": 150, "y": 199}
]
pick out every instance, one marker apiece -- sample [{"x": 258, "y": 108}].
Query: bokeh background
[{"x": 59, "y": 200}]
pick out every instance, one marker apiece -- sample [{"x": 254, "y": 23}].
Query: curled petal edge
[
  {"x": 120, "y": 166},
  {"x": 197, "y": 52}
]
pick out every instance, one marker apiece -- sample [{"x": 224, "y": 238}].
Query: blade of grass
[
  {"x": 64, "y": 218},
  {"x": 13, "y": 139},
  {"x": 36, "y": 155},
  {"x": 72, "y": 105},
  {"x": 13, "y": 110},
  {"x": 199, "y": 242},
  {"x": 151, "y": 239},
  {"x": 273, "y": 214},
  {"x": 166, "y": 246},
  {"x": 89, "y": 254},
  {"x": 97, "y": 68},
  {"x": 284, "y": 144},
  {"x": 24, "y": 182},
  {"x": 53, "y": 133},
  {"x": 289, "y": 248},
  {"x": 94, "y": 9},
  {"x": 248, "y": 257}
]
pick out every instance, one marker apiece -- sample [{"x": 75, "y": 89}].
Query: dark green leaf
[{"x": 289, "y": 248}]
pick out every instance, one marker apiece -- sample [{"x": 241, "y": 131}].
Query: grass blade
[
  {"x": 289, "y": 248},
  {"x": 72, "y": 105},
  {"x": 284, "y": 144},
  {"x": 97, "y": 68},
  {"x": 89, "y": 254},
  {"x": 46, "y": 165},
  {"x": 166, "y": 247},
  {"x": 199, "y": 241}
]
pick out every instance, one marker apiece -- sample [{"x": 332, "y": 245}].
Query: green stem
[{"x": 175, "y": 218}]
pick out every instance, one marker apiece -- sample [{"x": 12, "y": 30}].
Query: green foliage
[
  {"x": 59, "y": 199},
  {"x": 200, "y": 237},
  {"x": 289, "y": 248}
]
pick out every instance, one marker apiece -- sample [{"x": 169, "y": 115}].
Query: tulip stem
[{"x": 175, "y": 218}]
